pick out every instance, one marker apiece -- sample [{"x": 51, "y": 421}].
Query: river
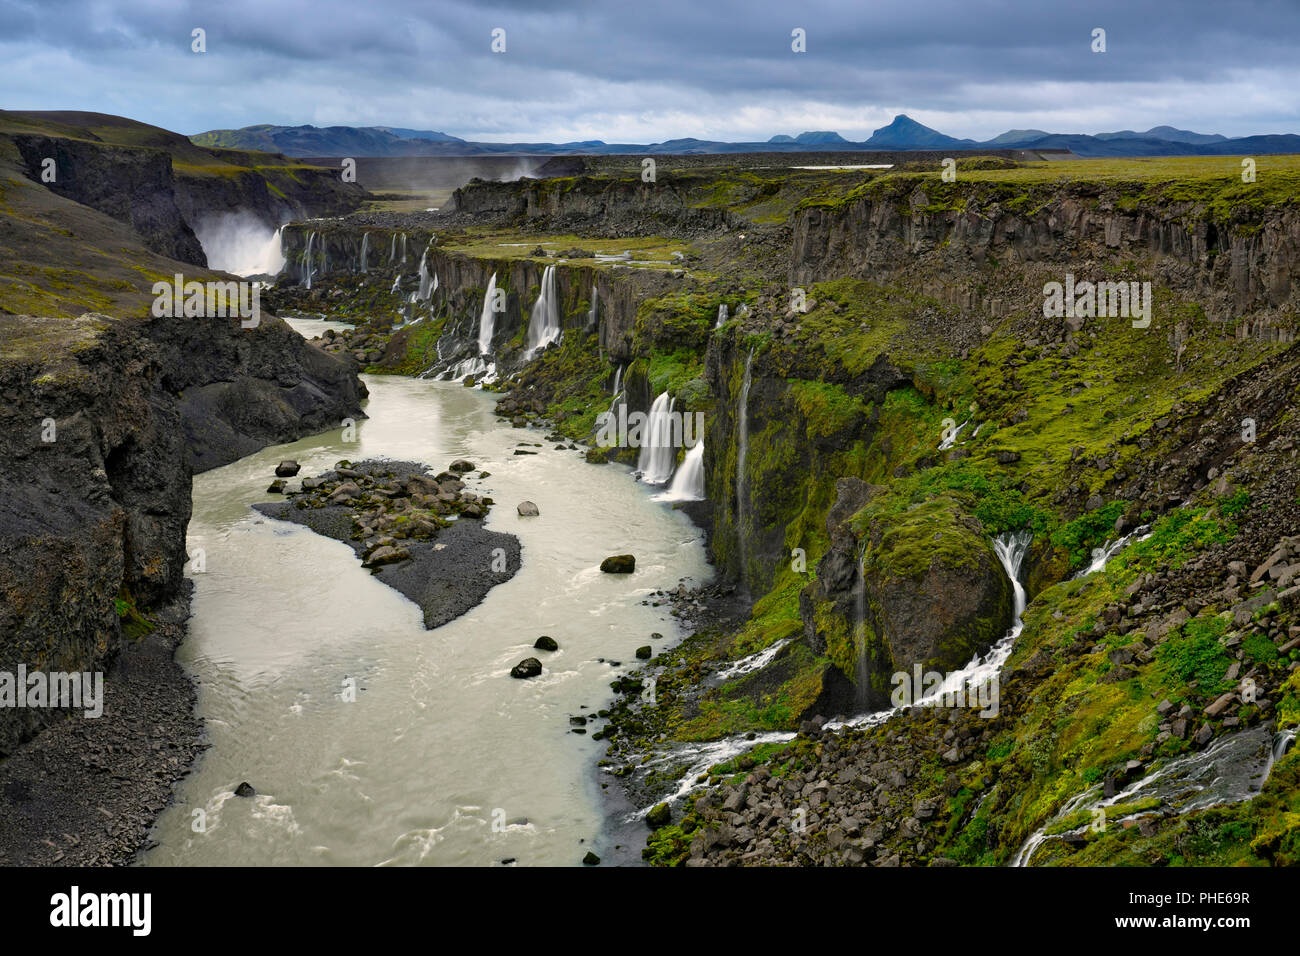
[{"x": 441, "y": 745}]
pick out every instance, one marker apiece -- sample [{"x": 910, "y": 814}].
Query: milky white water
[{"x": 439, "y": 736}]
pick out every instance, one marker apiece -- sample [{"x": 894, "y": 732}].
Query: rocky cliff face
[
  {"x": 616, "y": 206},
  {"x": 131, "y": 185},
  {"x": 105, "y": 421},
  {"x": 953, "y": 238},
  {"x": 165, "y": 201}
]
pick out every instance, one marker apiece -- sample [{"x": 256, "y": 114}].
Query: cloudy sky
[{"x": 659, "y": 69}]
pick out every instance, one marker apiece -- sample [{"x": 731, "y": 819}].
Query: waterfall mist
[{"x": 240, "y": 243}]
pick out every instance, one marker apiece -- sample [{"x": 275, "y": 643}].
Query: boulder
[
  {"x": 545, "y": 643},
  {"x": 385, "y": 555},
  {"x": 528, "y": 667},
  {"x": 643, "y": 653},
  {"x": 245, "y": 789},
  {"x": 461, "y": 465},
  {"x": 527, "y": 509},
  {"x": 619, "y": 564},
  {"x": 286, "y": 469},
  {"x": 277, "y": 487},
  {"x": 659, "y": 816}
]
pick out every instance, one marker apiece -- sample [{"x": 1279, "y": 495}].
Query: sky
[{"x": 640, "y": 72}]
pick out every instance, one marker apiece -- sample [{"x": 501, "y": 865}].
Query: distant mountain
[
  {"x": 1015, "y": 136},
  {"x": 906, "y": 133},
  {"x": 1166, "y": 133},
  {"x": 432, "y": 135},
  {"x": 820, "y": 138},
  {"x": 902, "y": 133},
  {"x": 327, "y": 141}
]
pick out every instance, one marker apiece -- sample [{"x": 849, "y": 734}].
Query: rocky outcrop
[
  {"x": 135, "y": 186},
  {"x": 98, "y": 454},
  {"x": 241, "y": 392}
]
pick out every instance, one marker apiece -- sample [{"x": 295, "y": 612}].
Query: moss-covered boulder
[{"x": 929, "y": 589}]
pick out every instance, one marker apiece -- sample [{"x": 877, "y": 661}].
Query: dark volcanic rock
[
  {"x": 619, "y": 564},
  {"x": 528, "y": 667},
  {"x": 545, "y": 643}
]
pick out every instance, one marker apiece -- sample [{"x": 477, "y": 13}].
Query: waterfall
[
  {"x": 592, "y": 313},
  {"x": 397, "y": 284},
  {"x": 688, "y": 482},
  {"x": 1231, "y": 769},
  {"x": 403, "y": 248},
  {"x": 951, "y": 439},
  {"x": 753, "y": 662},
  {"x": 392, "y": 251},
  {"x": 658, "y": 450},
  {"x": 487, "y": 318},
  {"x": 722, "y": 315},
  {"x": 618, "y": 382},
  {"x": 307, "y": 269},
  {"x": 742, "y": 448},
  {"x": 365, "y": 251},
  {"x": 544, "y": 322},
  {"x": 1010, "y": 548},
  {"x": 1100, "y": 556},
  {"x": 862, "y": 666},
  {"x": 427, "y": 283}
]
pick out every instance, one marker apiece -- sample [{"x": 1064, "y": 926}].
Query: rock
[
  {"x": 527, "y": 509},
  {"x": 545, "y": 643},
  {"x": 643, "y": 653},
  {"x": 287, "y": 468},
  {"x": 1220, "y": 704},
  {"x": 596, "y": 456},
  {"x": 385, "y": 555},
  {"x": 277, "y": 487},
  {"x": 659, "y": 816},
  {"x": 461, "y": 465},
  {"x": 245, "y": 789},
  {"x": 528, "y": 667},
  {"x": 1203, "y": 735},
  {"x": 619, "y": 564},
  {"x": 591, "y": 859},
  {"x": 344, "y": 493}
]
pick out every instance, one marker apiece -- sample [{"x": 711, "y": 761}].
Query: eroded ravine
[{"x": 440, "y": 741}]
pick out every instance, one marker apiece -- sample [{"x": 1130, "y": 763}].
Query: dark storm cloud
[{"x": 662, "y": 68}]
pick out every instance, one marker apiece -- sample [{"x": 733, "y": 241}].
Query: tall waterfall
[
  {"x": 592, "y": 313},
  {"x": 742, "y": 447},
  {"x": 365, "y": 251},
  {"x": 722, "y": 315},
  {"x": 308, "y": 271},
  {"x": 544, "y": 322},
  {"x": 487, "y": 318},
  {"x": 658, "y": 449},
  {"x": 427, "y": 282},
  {"x": 688, "y": 482},
  {"x": 403, "y": 248},
  {"x": 392, "y": 251}
]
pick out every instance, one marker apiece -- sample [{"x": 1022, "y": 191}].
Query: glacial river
[{"x": 443, "y": 758}]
